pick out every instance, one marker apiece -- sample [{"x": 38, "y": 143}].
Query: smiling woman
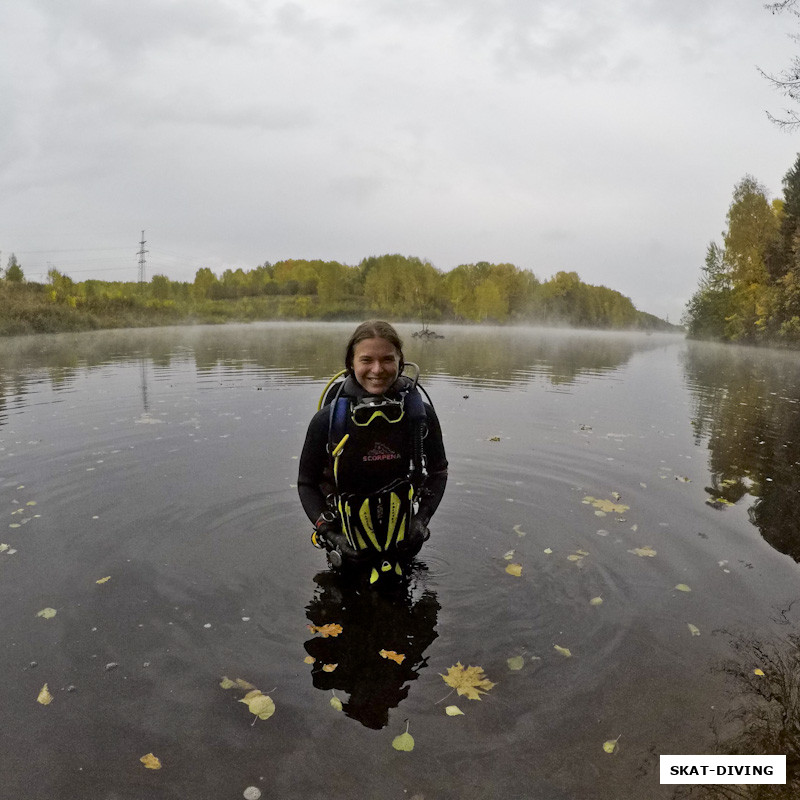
[{"x": 373, "y": 468}]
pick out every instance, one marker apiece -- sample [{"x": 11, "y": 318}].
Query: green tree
[
  {"x": 206, "y": 283},
  {"x": 14, "y": 272}
]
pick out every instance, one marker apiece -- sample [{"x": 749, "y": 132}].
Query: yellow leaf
[
  {"x": 759, "y": 672},
  {"x": 514, "y": 569},
  {"x": 606, "y": 506},
  {"x": 150, "y": 761},
  {"x": 563, "y": 650},
  {"x": 519, "y": 531},
  {"x": 309, "y": 660},
  {"x": 45, "y": 698},
  {"x": 644, "y": 552},
  {"x": 329, "y": 667},
  {"x": 259, "y": 704},
  {"x": 336, "y": 703},
  {"x": 405, "y": 742},
  {"x": 46, "y": 613},
  {"x": 695, "y": 631},
  {"x": 227, "y": 683},
  {"x": 682, "y": 587},
  {"x": 331, "y": 629},
  {"x": 103, "y": 580},
  {"x": 242, "y": 684},
  {"x": 494, "y": 438},
  {"x": 509, "y": 555},
  {"x": 596, "y": 601},
  {"x": 453, "y": 711},
  {"x": 548, "y": 550},
  {"x": 468, "y": 681},
  {"x": 611, "y": 745},
  {"x": 515, "y": 662},
  {"x": 392, "y": 656}
]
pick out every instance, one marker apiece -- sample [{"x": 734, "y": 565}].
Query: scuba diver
[{"x": 373, "y": 468}]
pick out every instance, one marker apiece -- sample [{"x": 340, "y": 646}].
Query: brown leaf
[
  {"x": 392, "y": 656},
  {"x": 331, "y": 629}
]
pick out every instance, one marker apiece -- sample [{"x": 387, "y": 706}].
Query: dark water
[{"x": 167, "y": 459}]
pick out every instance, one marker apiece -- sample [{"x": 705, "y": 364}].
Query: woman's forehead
[{"x": 375, "y": 346}]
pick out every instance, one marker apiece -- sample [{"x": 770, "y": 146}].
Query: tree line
[
  {"x": 395, "y": 286},
  {"x": 749, "y": 287}
]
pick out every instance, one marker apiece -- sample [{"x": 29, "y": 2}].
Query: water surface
[{"x": 166, "y": 460}]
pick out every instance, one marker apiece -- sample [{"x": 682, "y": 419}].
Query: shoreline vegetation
[
  {"x": 403, "y": 288},
  {"x": 749, "y": 287}
]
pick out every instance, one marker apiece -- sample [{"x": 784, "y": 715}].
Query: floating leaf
[
  {"x": 563, "y": 650},
  {"x": 150, "y": 761},
  {"x": 252, "y": 793},
  {"x": 227, "y": 683},
  {"x": 259, "y": 704},
  {"x": 239, "y": 683},
  {"x": 392, "y": 656},
  {"x": 682, "y": 587},
  {"x": 514, "y": 569},
  {"x": 309, "y": 660},
  {"x": 468, "y": 681},
  {"x": 643, "y": 552},
  {"x": 509, "y": 555},
  {"x": 336, "y": 703},
  {"x": 494, "y": 438},
  {"x": 45, "y": 698},
  {"x": 47, "y": 613},
  {"x": 453, "y": 711},
  {"x": 606, "y": 506},
  {"x": 405, "y": 741},
  {"x": 596, "y": 601},
  {"x": 695, "y": 631},
  {"x": 548, "y": 550},
  {"x": 103, "y": 580},
  {"x": 611, "y": 745},
  {"x": 331, "y": 629},
  {"x": 519, "y": 531},
  {"x": 759, "y": 672},
  {"x": 617, "y": 496},
  {"x": 516, "y": 662},
  {"x": 329, "y": 667}
]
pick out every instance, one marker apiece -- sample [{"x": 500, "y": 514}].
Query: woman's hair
[{"x": 373, "y": 329}]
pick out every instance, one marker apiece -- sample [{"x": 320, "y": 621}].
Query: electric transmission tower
[{"x": 142, "y": 262}]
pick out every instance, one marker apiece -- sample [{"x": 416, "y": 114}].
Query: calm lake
[{"x": 646, "y": 489}]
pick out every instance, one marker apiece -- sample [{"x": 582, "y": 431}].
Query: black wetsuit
[{"x": 315, "y": 480}]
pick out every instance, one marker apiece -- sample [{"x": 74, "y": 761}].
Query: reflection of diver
[
  {"x": 373, "y": 468},
  {"x": 402, "y": 621}
]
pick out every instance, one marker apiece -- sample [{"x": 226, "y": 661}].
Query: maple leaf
[
  {"x": 331, "y": 629},
  {"x": 469, "y": 681},
  {"x": 391, "y": 655}
]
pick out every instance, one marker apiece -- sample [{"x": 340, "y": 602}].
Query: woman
[{"x": 373, "y": 468}]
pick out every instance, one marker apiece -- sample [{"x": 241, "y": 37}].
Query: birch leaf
[
  {"x": 519, "y": 531},
  {"x": 565, "y": 651},
  {"x": 227, "y": 683},
  {"x": 404, "y": 742},
  {"x": 516, "y": 662},
  {"x": 695, "y": 631},
  {"x": 611, "y": 745},
  {"x": 331, "y": 629},
  {"x": 453, "y": 711},
  {"x": 759, "y": 672},
  {"x": 45, "y": 698},
  {"x": 515, "y": 570},
  {"x": 336, "y": 703},
  {"x": 509, "y": 555},
  {"x": 392, "y": 656},
  {"x": 150, "y": 761},
  {"x": 46, "y": 613},
  {"x": 259, "y": 704},
  {"x": 596, "y": 601},
  {"x": 103, "y": 580},
  {"x": 682, "y": 587},
  {"x": 643, "y": 552}
]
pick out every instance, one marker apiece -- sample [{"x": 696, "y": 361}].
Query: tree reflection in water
[
  {"x": 765, "y": 718},
  {"x": 402, "y": 620}
]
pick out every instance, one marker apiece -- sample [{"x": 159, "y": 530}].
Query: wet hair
[{"x": 373, "y": 329}]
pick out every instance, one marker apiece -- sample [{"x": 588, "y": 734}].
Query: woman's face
[{"x": 376, "y": 364}]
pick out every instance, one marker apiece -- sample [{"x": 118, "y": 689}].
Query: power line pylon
[{"x": 142, "y": 262}]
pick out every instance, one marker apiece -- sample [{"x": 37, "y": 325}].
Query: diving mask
[{"x": 366, "y": 411}]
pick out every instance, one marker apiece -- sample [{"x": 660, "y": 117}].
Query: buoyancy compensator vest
[{"x": 377, "y": 465}]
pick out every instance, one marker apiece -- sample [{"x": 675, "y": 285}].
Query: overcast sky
[{"x": 597, "y": 136}]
